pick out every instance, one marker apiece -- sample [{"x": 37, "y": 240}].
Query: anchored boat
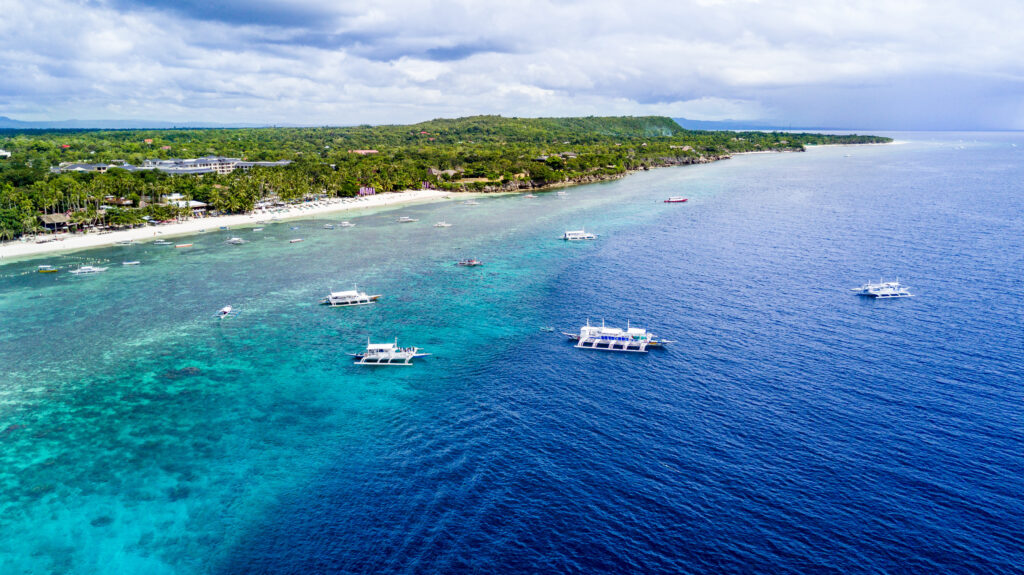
[
  {"x": 675, "y": 200},
  {"x": 406, "y": 220},
  {"x": 387, "y": 354},
  {"x": 883, "y": 290},
  {"x": 577, "y": 235},
  {"x": 470, "y": 263},
  {"x": 47, "y": 269},
  {"x": 349, "y": 297},
  {"x": 85, "y": 270},
  {"x": 632, "y": 339}
]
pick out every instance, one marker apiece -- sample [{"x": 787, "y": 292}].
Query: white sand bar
[{"x": 9, "y": 251}]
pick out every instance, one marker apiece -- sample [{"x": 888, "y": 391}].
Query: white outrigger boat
[
  {"x": 387, "y": 354},
  {"x": 883, "y": 290},
  {"x": 328, "y": 226},
  {"x": 347, "y": 224},
  {"x": 349, "y": 297},
  {"x": 84, "y": 270},
  {"x": 224, "y": 312},
  {"x": 235, "y": 241},
  {"x": 577, "y": 235},
  {"x": 406, "y": 220},
  {"x": 131, "y": 263},
  {"x": 161, "y": 243},
  {"x": 442, "y": 224},
  {"x": 633, "y": 339}
]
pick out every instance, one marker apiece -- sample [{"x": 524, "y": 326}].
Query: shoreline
[{"x": 17, "y": 250}]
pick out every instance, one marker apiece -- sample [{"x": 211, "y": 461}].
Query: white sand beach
[{"x": 14, "y": 250}]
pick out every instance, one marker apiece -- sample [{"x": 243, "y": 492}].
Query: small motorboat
[
  {"x": 471, "y": 203},
  {"x": 442, "y": 224},
  {"x": 470, "y": 263},
  {"x": 47, "y": 269},
  {"x": 257, "y": 229},
  {"x": 295, "y": 241},
  {"x": 675, "y": 200},
  {"x": 235, "y": 241},
  {"x": 182, "y": 245},
  {"x": 561, "y": 193},
  {"x": 161, "y": 243},
  {"x": 225, "y": 228},
  {"x": 406, "y": 220},
  {"x": 547, "y": 329},
  {"x": 295, "y": 227},
  {"x": 125, "y": 242},
  {"x": 530, "y": 196},
  {"x": 132, "y": 263},
  {"x": 328, "y": 226},
  {"x": 347, "y": 224},
  {"x": 224, "y": 312}
]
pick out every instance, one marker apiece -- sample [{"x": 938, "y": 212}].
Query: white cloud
[{"x": 398, "y": 61}]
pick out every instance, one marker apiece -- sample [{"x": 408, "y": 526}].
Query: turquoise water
[{"x": 138, "y": 434}]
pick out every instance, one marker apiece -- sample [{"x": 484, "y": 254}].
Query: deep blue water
[{"x": 791, "y": 428}]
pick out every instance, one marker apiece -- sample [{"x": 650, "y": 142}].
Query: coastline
[{"x": 17, "y": 250}]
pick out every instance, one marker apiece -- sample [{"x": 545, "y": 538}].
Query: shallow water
[{"x": 792, "y": 427}]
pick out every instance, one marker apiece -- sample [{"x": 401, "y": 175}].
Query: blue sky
[{"x": 941, "y": 64}]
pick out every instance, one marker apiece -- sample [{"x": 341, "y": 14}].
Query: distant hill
[{"x": 729, "y": 125}]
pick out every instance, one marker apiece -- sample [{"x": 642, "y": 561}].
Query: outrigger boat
[
  {"x": 675, "y": 200},
  {"x": 224, "y": 312},
  {"x": 328, "y": 226},
  {"x": 350, "y": 297},
  {"x": 85, "y": 270},
  {"x": 632, "y": 339},
  {"x": 295, "y": 241},
  {"x": 132, "y": 263},
  {"x": 387, "y": 354},
  {"x": 883, "y": 290},
  {"x": 470, "y": 263},
  {"x": 577, "y": 235},
  {"x": 47, "y": 269},
  {"x": 161, "y": 243},
  {"x": 235, "y": 241},
  {"x": 406, "y": 220},
  {"x": 442, "y": 224},
  {"x": 347, "y": 224}
]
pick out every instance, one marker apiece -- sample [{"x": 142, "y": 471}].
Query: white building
[{"x": 5, "y": 154}]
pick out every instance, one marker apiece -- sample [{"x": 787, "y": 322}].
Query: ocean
[{"x": 791, "y": 426}]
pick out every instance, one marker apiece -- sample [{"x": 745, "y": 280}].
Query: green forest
[{"x": 480, "y": 153}]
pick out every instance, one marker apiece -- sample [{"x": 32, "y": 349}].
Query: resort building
[{"x": 204, "y": 165}]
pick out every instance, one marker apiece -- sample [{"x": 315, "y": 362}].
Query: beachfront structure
[
  {"x": 204, "y": 165},
  {"x": 65, "y": 167},
  {"x": 5, "y": 154}
]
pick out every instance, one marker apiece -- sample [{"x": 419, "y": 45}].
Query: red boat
[{"x": 675, "y": 200}]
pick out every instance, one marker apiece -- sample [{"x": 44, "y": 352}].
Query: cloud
[{"x": 856, "y": 63}]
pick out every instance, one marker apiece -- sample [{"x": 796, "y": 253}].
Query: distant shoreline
[{"x": 17, "y": 250}]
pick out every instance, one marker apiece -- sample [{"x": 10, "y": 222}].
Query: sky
[{"x": 855, "y": 64}]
